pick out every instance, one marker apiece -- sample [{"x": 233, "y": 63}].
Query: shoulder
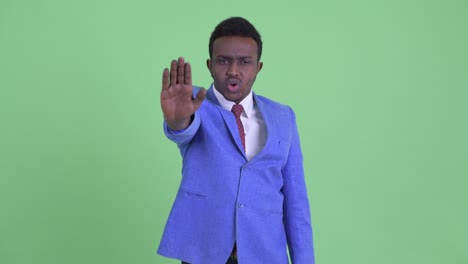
[{"x": 276, "y": 107}]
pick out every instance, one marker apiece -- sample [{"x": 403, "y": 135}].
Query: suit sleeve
[
  {"x": 296, "y": 208},
  {"x": 183, "y": 137}
]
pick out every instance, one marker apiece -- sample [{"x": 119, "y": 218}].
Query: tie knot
[{"x": 237, "y": 109}]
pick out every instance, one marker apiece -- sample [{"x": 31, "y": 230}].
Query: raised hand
[{"x": 177, "y": 102}]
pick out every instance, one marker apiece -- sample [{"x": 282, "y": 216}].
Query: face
[{"x": 234, "y": 66}]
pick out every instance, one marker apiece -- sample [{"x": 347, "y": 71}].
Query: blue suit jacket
[{"x": 223, "y": 198}]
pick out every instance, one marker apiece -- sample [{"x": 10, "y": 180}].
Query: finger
[
  {"x": 173, "y": 73},
  {"x": 188, "y": 74},
  {"x": 165, "y": 79},
  {"x": 180, "y": 70},
  {"x": 199, "y": 97}
]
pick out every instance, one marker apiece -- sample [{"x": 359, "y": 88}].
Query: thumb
[{"x": 199, "y": 97}]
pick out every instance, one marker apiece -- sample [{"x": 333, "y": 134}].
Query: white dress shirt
[{"x": 252, "y": 120}]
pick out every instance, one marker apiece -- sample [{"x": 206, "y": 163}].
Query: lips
[{"x": 233, "y": 84}]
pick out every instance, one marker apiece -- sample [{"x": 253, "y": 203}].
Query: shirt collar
[{"x": 247, "y": 103}]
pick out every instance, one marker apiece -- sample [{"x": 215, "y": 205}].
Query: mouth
[{"x": 233, "y": 84}]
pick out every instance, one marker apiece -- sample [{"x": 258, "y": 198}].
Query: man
[{"x": 243, "y": 197}]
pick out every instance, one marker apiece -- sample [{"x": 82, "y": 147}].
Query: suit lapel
[
  {"x": 270, "y": 124},
  {"x": 229, "y": 120}
]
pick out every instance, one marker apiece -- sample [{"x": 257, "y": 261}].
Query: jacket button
[{"x": 240, "y": 205}]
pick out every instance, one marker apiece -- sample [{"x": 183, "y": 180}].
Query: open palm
[{"x": 177, "y": 101}]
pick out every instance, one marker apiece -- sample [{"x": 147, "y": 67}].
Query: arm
[
  {"x": 296, "y": 204},
  {"x": 178, "y": 103},
  {"x": 183, "y": 137}
]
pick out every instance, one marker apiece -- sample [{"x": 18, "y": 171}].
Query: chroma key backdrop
[{"x": 379, "y": 89}]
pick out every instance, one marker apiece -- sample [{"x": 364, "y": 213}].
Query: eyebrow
[{"x": 229, "y": 57}]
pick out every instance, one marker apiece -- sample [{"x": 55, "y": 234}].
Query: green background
[{"x": 379, "y": 89}]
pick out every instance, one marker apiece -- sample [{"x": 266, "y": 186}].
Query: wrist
[{"x": 179, "y": 125}]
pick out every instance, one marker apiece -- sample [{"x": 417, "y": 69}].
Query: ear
[
  {"x": 259, "y": 66},
  {"x": 208, "y": 64}
]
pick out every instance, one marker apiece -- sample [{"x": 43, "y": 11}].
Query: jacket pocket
[
  {"x": 192, "y": 194},
  {"x": 276, "y": 211}
]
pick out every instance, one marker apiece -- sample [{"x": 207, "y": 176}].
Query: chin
[{"x": 231, "y": 98}]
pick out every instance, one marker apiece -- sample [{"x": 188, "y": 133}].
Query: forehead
[{"x": 235, "y": 46}]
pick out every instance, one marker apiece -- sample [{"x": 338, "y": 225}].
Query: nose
[{"x": 233, "y": 69}]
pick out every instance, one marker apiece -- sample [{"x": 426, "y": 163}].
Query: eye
[
  {"x": 222, "y": 61},
  {"x": 244, "y": 61}
]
